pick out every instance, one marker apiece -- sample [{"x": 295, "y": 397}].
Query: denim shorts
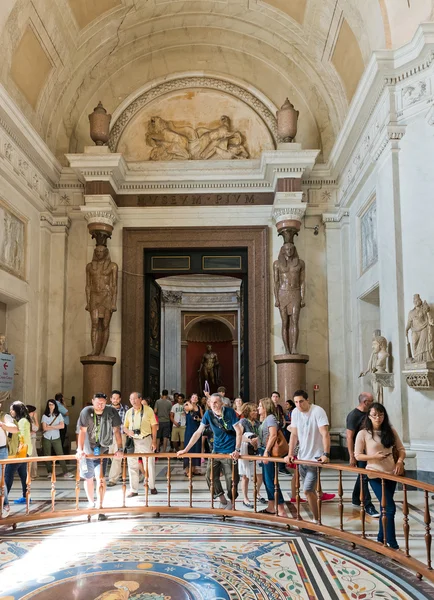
[{"x": 93, "y": 468}]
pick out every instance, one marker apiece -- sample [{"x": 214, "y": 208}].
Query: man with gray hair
[
  {"x": 355, "y": 421},
  {"x": 227, "y": 440},
  {"x": 141, "y": 426}
]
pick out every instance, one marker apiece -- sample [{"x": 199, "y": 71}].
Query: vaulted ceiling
[{"x": 59, "y": 58}]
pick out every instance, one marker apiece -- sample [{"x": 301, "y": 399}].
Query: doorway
[{"x": 253, "y": 240}]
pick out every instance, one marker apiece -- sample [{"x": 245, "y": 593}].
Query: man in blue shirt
[{"x": 227, "y": 440}]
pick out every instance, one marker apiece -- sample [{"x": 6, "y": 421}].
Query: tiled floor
[{"x": 196, "y": 558}]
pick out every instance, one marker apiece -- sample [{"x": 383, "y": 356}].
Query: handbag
[
  {"x": 280, "y": 447},
  {"x": 22, "y": 448}
]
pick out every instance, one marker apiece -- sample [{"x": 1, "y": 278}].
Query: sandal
[
  {"x": 267, "y": 512},
  {"x": 248, "y": 504}
]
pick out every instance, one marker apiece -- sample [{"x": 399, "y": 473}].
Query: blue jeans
[
  {"x": 10, "y": 471},
  {"x": 389, "y": 490},
  {"x": 268, "y": 475},
  {"x": 356, "y": 491},
  {"x": 3, "y": 456}
]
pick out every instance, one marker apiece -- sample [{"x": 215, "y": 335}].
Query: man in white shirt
[
  {"x": 310, "y": 428},
  {"x": 178, "y": 418}
]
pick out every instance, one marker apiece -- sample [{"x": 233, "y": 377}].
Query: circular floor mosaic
[{"x": 185, "y": 559}]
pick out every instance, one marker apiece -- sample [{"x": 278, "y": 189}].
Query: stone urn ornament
[
  {"x": 99, "y": 125},
  {"x": 287, "y": 118}
]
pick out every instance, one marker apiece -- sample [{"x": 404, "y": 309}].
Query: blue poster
[{"x": 7, "y": 370}]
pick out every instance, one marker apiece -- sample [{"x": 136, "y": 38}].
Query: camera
[{"x": 136, "y": 431}]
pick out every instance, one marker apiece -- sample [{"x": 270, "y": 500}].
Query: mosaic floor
[
  {"x": 195, "y": 559},
  {"x": 163, "y": 559}
]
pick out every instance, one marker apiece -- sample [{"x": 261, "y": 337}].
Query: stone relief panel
[
  {"x": 195, "y": 124},
  {"x": 12, "y": 242},
  {"x": 368, "y": 237},
  {"x": 169, "y": 141}
]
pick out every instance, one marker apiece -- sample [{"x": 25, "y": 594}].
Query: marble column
[
  {"x": 54, "y": 240},
  {"x": 171, "y": 340},
  {"x": 339, "y": 316},
  {"x": 392, "y": 314}
]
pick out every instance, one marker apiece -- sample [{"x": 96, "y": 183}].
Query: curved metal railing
[{"x": 422, "y": 567}]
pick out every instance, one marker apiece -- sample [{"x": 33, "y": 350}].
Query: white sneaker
[
  {"x": 91, "y": 505},
  {"x": 69, "y": 476},
  {"x": 227, "y": 506}
]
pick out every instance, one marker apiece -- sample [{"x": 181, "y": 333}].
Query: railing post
[
  {"x": 234, "y": 464},
  {"x": 341, "y": 502},
  {"x": 428, "y": 538},
  {"x": 318, "y": 493},
  {"x": 362, "y": 507},
  {"x": 53, "y": 485},
  {"x": 101, "y": 481},
  {"x": 124, "y": 480},
  {"x": 211, "y": 487},
  {"x": 297, "y": 491},
  {"x": 77, "y": 485},
  {"x": 168, "y": 481},
  {"x": 2, "y": 488},
  {"x": 190, "y": 482},
  {"x": 276, "y": 486},
  {"x": 28, "y": 487},
  {"x": 146, "y": 482},
  {"x": 406, "y": 525},
  {"x": 255, "y": 485},
  {"x": 383, "y": 511}
]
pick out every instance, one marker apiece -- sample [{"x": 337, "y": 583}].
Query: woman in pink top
[{"x": 374, "y": 444}]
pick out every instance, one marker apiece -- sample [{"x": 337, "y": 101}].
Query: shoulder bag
[{"x": 280, "y": 447}]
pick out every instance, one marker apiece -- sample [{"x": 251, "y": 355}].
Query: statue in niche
[
  {"x": 289, "y": 291},
  {"x": 420, "y": 322},
  {"x": 209, "y": 369},
  {"x": 172, "y": 142},
  {"x": 377, "y": 365},
  {"x": 101, "y": 295}
]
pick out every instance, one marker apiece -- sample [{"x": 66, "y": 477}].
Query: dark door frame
[{"x": 253, "y": 238}]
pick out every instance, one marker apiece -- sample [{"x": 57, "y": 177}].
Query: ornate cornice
[
  {"x": 182, "y": 83},
  {"x": 54, "y": 223}
]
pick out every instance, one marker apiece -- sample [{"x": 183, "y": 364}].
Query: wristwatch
[
  {"x": 326, "y": 454},
  {"x": 237, "y": 449}
]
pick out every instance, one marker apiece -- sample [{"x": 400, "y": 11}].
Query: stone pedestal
[
  {"x": 291, "y": 373},
  {"x": 419, "y": 376},
  {"x": 97, "y": 376}
]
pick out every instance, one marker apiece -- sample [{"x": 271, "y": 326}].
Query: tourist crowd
[{"x": 211, "y": 424}]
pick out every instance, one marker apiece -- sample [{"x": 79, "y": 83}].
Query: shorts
[
  {"x": 163, "y": 430},
  {"x": 93, "y": 468},
  {"x": 309, "y": 475},
  {"x": 178, "y": 434}
]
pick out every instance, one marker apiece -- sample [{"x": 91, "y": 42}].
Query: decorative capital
[
  {"x": 288, "y": 213},
  {"x": 171, "y": 297},
  {"x": 104, "y": 217}
]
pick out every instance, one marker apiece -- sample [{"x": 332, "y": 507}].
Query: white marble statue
[
  {"x": 377, "y": 364},
  {"x": 421, "y": 324}
]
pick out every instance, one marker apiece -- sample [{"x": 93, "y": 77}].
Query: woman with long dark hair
[
  {"x": 52, "y": 425},
  {"x": 21, "y": 444},
  {"x": 374, "y": 444}
]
